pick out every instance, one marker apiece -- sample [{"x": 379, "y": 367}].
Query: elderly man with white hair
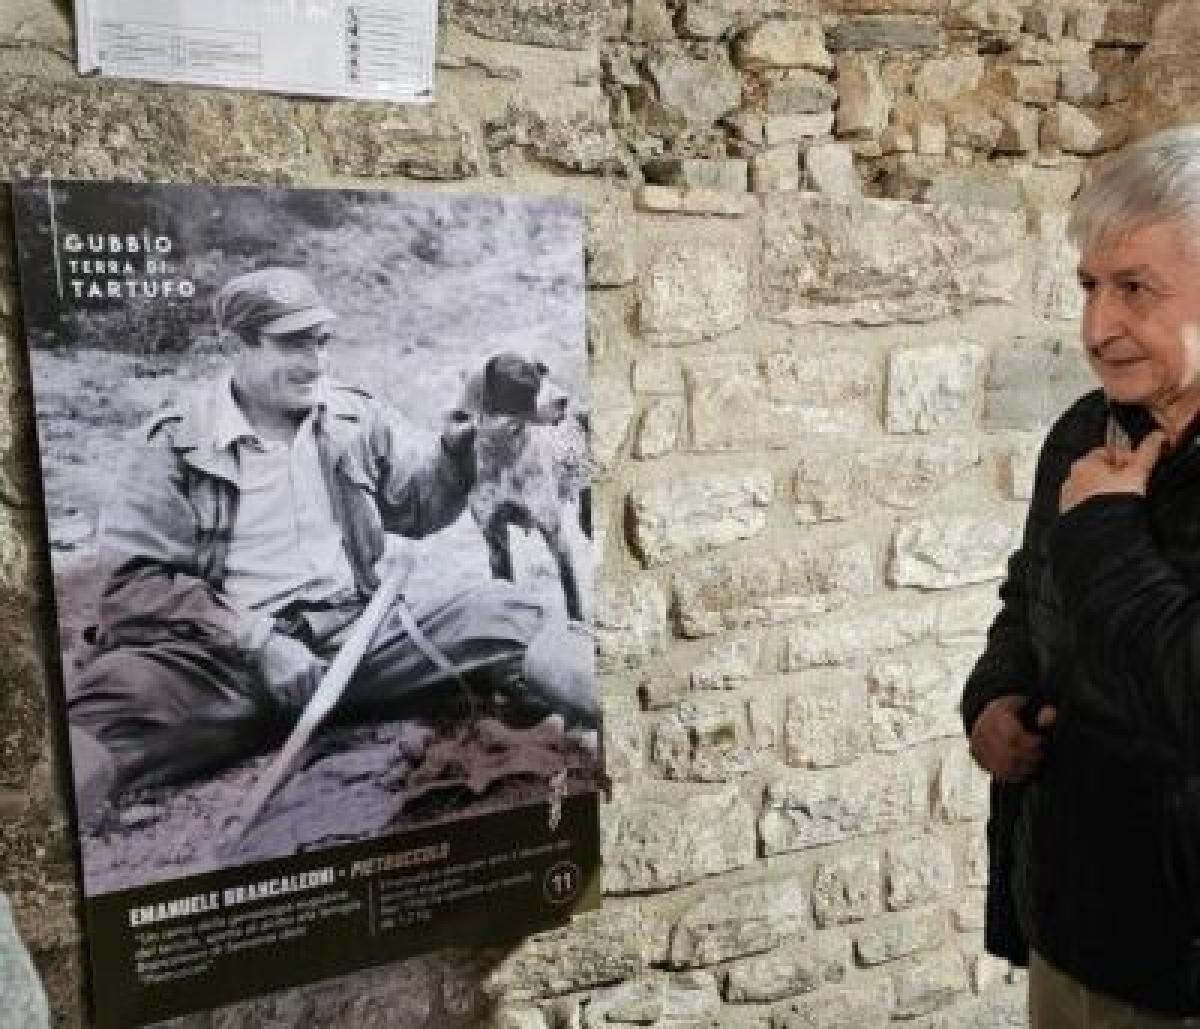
[{"x": 1085, "y": 705}]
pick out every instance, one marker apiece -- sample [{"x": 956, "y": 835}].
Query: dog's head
[{"x": 516, "y": 387}]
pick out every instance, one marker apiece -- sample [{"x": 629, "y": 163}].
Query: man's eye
[
  {"x": 1086, "y": 284},
  {"x": 1133, "y": 288}
]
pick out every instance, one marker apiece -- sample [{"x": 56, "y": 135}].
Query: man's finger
[{"x": 1148, "y": 451}]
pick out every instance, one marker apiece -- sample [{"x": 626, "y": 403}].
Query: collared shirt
[{"x": 286, "y": 545}]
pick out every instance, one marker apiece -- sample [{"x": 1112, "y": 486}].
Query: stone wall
[{"x": 817, "y": 405}]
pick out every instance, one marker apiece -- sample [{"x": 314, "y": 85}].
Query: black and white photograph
[{"x": 316, "y": 479}]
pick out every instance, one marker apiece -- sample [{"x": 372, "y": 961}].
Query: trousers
[{"x": 1056, "y": 1001}]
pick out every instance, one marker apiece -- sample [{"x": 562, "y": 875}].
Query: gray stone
[
  {"x": 521, "y": 1018},
  {"x": 1079, "y": 85},
  {"x": 900, "y": 935},
  {"x": 961, "y": 787},
  {"x": 977, "y": 187},
  {"x": 1021, "y": 465},
  {"x": 781, "y": 129},
  {"x": 809, "y": 809},
  {"x": 843, "y": 639},
  {"x": 573, "y": 133},
  {"x": 999, "y": 1009},
  {"x": 864, "y": 103},
  {"x": 658, "y": 371},
  {"x": 879, "y": 261},
  {"x": 759, "y": 587},
  {"x": 737, "y": 402},
  {"x": 969, "y": 915},
  {"x": 624, "y": 758},
  {"x": 573, "y": 24},
  {"x": 24, "y": 999},
  {"x": 846, "y": 889},
  {"x": 829, "y": 169},
  {"x": 658, "y": 431},
  {"x": 690, "y": 1000},
  {"x": 918, "y": 871},
  {"x": 945, "y": 78},
  {"x": 609, "y": 253},
  {"x": 1067, "y": 128},
  {"x": 928, "y": 983},
  {"x": 705, "y": 740},
  {"x": 693, "y": 514},
  {"x": 1086, "y": 21},
  {"x": 658, "y": 844},
  {"x": 35, "y": 23},
  {"x": 933, "y": 387},
  {"x": 798, "y": 91},
  {"x": 914, "y": 700},
  {"x": 649, "y": 22},
  {"x": 1047, "y": 22},
  {"x": 784, "y": 973},
  {"x": 709, "y": 19},
  {"x": 694, "y": 288},
  {"x": 1031, "y": 384},
  {"x": 976, "y": 864},
  {"x": 884, "y": 32},
  {"x": 738, "y": 921},
  {"x": 784, "y": 43},
  {"x": 824, "y": 727},
  {"x": 853, "y": 1007},
  {"x": 830, "y": 484},
  {"x": 727, "y": 663},
  {"x": 698, "y": 91},
  {"x": 596, "y": 948},
  {"x": 688, "y": 200},
  {"x": 631, "y": 623},
  {"x": 963, "y": 617},
  {"x": 612, "y": 407},
  {"x": 725, "y": 174},
  {"x": 1056, "y": 292},
  {"x": 1003, "y": 16},
  {"x": 775, "y": 169},
  {"x": 946, "y": 551}
]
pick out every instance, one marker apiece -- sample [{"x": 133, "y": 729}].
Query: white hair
[{"x": 1152, "y": 181}]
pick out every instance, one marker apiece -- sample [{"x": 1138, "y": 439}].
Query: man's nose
[{"x": 1101, "y": 317}]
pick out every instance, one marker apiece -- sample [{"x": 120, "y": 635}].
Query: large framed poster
[{"x": 315, "y": 475}]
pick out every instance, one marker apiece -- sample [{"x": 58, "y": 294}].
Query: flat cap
[{"x": 274, "y": 300}]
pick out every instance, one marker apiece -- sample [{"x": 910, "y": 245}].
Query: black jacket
[{"x": 1095, "y": 860}]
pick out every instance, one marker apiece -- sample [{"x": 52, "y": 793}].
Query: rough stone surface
[
  {"x": 945, "y": 551},
  {"x": 900, "y": 935},
  {"x": 687, "y": 1000},
  {"x": 864, "y": 103},
  {"x": 881, "y": 261},
  {"x": 780, "y": 43},
  {"x": 808, "y": 809},
  {"x": 761, "y": 588},
  {"x": 687, "y": 200},
  {"x": 829, "y": 169},
  {"x": 799, "y": 91},
  {"x": 706, "y": 739},
  {"x": 24, "y": 998},
  {"x": 961, "y": 787},
  {"x": 928, "y": 983},
  {"x": 914, "y": 700},
  {"x": 695, "y": 288},
  {"x": 659, "y": 844},
  {"x": 738, "y": 922},
  {"x": 775, "y": 169},
  {"x": 696, "y": 91},
  {"x": 1031, "y": 382},
  {"x": 885, "y": 33},
  {"x": 824, "y": 727},
  {"x": 918, "y": 871},
  {"x": 631, "y": 623},
  {"x": 781, "y": 129},
  {"x": 932, "y": 387},
  {"x": 842, "y": 639},
  {"x": 785, "y": 973},
  {"x": 727, "y": 663},
  {"x": 848, "y": 1008},
  {"x": 1056, "y": 292},
  {"x": 609, "y": 252},
  {"x": 553, "y": 23},
  {"x": 846, "y": 890},
  {"x": 658, "y": 430}
]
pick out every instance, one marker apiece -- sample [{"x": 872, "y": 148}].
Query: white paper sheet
[{"x": 370, "y": 50}]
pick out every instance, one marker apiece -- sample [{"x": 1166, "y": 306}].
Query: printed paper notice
[{"x": 372, "y": 50}]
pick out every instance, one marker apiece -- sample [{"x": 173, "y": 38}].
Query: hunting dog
[{"x": 530, "y": 464}]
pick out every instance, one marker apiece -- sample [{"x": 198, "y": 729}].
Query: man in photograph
[
  {"x": 1085, "y": 707},
  {"x": 252, "y": 527}
]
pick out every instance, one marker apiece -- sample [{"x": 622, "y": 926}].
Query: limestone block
[
  {"x": 736, "y": 402},
  {"x": 969, "y": 915},
  {"x": 1047, "y": 189},
  {"x": 1028, "y": 386},
  {"x": 960, "y": 787},
  {"x": 607, "y": 320},
  {"x": 1047, "y": 21},
  {"x": 726, "y": 174},
  {"x": 918, "y": 871},
  {"x": 522, "y": 1017},
  {"x": 597, "y": 947},
  {"x": 709, "y": 19},
  {"x": 846, "y": 889},
  {"x": 1000, "y": 1009},
  {"x": 631, "y": 623},
  {"x": 784, "y": 43},
  {"x": 738, "y": 921},
  {"x": 829, "y": 169},
  {"x": 658, "y": 371},
  {"x": 686, "y": 200},
  {"x": 824, "y": 727},
  {"x": 885, "y": 6},
  {"x": 1032, "y": 50},
  {"x": 831, "y": 484},
  {"x": 883, "y": 32},
  {"x": 671, "y": 749},
  {"x": 930, "y": 135},
  {"x": 987, "y": 972},
  {"x": 1029, "y": 83},
  {"x": 612, "y": 407},
  {"x": 658, "y": 844},
  {"x": 1021, "y": 128},
  {"x": 1021, "y": 465},
  {"x": 24, "y": 999},
  {"x": 945, "y": 78},
  {"x": 852, "y": 1007},
  {"x": 693, "y": 514},
  {"x": 695, "y": 286},
  {"x": 900, "y": 935},
  {"x": 979, "y": 187},
  {"x": 986, "y": 15},
  {"x": 649, "y": 22},
  {"x": 763, "y": 719},
  {"x": 970, "y": 124},
  {"x": 763, "y": 588},
  {"x": 799, "y": 91},
  {"x": 784, "y": 973},
  {"x": 1128, "y": 23},
  {"x": 864, "y": 103},
  {"x": 36, "y": 23},
  {"x": 609, "y": 253},
  {"x": 1086, "y": 21},
  {"x": 775, "y": 169},
  {"x": 806, "y": 809},
  {"x": 879, "y": 261},
  {"x": 1067, "y": 128},
  {"x": 1056, "y": 293},
  {"x": 705, "y": 740},
  {"x": 964, "y": 616},
  {"x": 976, "y": 865},
  {"x": 843, "y": 639},
  {"x": 947, "y": 551},
  {"x": 658, "y": 430},
  {"x": 780, "y": 129},
  {"x": 572, "y": 24},
  {"x": 1080, "y": 85},
  {"x": 624, "y": 754},
  {"x": 569, "y": 129},
  {"x": 685, "y": 1000},
  {"x": 914, "y": 699},
  {"x": 933, "y": 387},
  {"x": 728, "y": 663},
  {"x": 698, "y": 91},
  {"x": 928, "y": 983}
]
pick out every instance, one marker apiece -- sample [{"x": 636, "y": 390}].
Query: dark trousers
[{"x": 176, "y": 709}]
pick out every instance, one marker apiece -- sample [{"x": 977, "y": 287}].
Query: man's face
[
  {"x": 281, "y": 373},
  {"x": 1141, "y": 317}
]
